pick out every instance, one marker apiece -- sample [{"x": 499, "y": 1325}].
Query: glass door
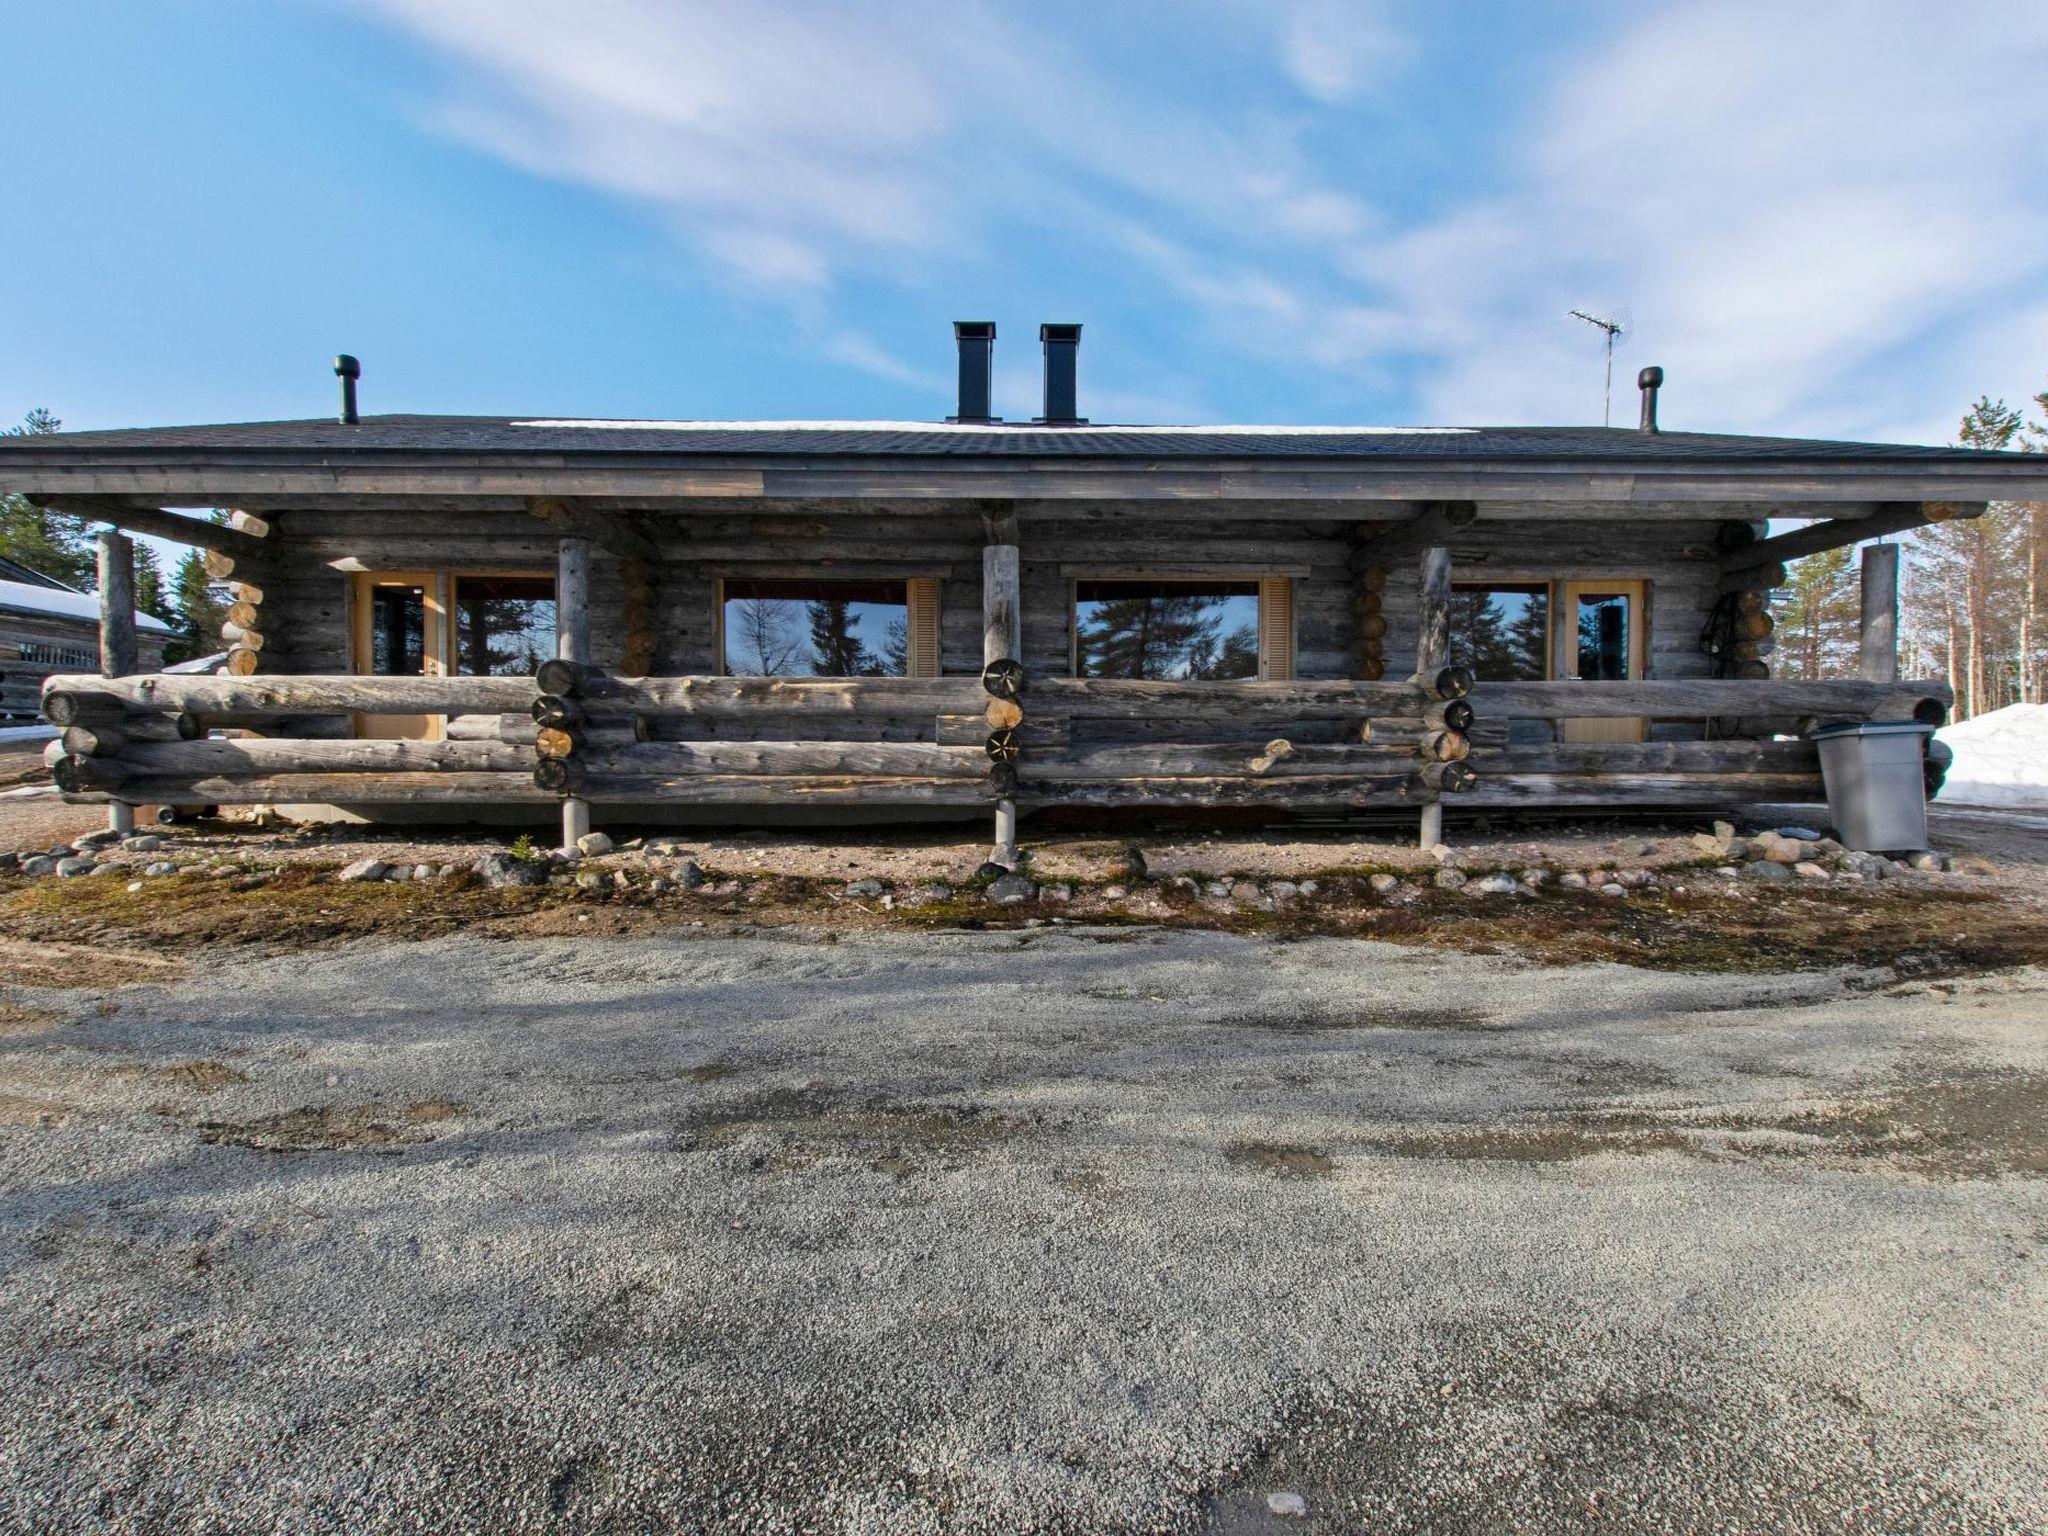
[
  {"x": 401, "y": 630},
  {"x": 1601, "y": 639}
]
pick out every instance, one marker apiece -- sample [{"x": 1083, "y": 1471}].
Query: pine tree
[
  {"x": 198, "y": 611},
  {"x": 1818, "y": 611},
  {"x": 151, "y": 595},
  {"x": 50, "y": 542},
  {"x": 1172, "y": 635},
  {"x": 1965, "y": 610},
  {"x": 838, "y": 651}
]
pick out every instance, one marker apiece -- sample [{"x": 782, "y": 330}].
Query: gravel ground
[{"x": 1013, "y": 1232}]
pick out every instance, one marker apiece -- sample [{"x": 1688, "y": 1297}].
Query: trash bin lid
[{"x": 1871, "y": 728}]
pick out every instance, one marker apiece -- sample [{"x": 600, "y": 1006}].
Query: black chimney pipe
[
  {"x": 1062, "y": 354},
  {"x": 348, "y": 370},
  {"x": 977, "y": 342},
  {"x": 1649, "y": 381}
]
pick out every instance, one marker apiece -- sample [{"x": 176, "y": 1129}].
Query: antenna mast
[{"x": 1614, "y": 329}]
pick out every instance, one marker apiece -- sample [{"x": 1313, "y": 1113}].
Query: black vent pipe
[
  {"x": 1649, "y": 381},
  {"x": 1062, "y": 355},
  {"x": 348, "y": 370},
  {"x": 977, "y": 342}
]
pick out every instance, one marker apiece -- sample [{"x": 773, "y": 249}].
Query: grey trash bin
[{"x": 1877, "y": 793}]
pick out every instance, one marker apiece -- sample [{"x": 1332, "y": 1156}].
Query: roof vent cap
[{"x": 348, "y": 370}]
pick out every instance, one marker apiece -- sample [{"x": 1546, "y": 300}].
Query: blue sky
[{"x": 1824, "y": 218}]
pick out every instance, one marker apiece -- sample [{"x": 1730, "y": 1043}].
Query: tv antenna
[{"x": 1616, "y": 327}]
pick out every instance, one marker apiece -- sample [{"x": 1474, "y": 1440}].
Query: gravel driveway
[{"x": 1015, "y": 1232}]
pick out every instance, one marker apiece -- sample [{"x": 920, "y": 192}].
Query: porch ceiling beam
[
  {"x": 1890, "y": 517},
  {"x": 158, "y": 523},
  {"x": 608, "y": 530},
  {"x": 1434, "y": 525}
]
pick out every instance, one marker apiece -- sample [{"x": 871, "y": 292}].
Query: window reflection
[{"x": 1166, "y": 629}]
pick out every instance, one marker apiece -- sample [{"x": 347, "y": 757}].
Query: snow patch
[{"x": 2001, "y": 758}]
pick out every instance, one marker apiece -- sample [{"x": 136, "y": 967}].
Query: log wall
[{"x": 307, "y": 622}]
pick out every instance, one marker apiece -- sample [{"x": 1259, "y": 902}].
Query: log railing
[{"x": 936, "y": 742}]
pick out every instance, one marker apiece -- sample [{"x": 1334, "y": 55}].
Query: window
[
  {"x": 504, "y": 625},
  {"x": 1500, "y": 631},
  {"x": 803, "y": 628},
  {"x": 1604, "y": 645},
  {"x": 398, "y": 630},
  {"x": 1169, "y": 629}
]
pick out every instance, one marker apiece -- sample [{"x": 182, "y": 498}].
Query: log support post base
[
  {"x": 1005, "y": 850},
  {"x": 121, "y": 818},
  {"x": 1432, "y": 826},
  {"x": 575, "y": 822}
]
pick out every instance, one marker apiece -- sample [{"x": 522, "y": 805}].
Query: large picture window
[
  {"x": 1501, "y": 631},
  {"x": 504, "y": 625},
  {"x": 1166, "y": 630},
  {"x": 779, "y": 628}
]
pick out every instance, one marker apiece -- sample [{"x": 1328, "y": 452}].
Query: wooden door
[
  {"x": 1600, "y": 638},
  {"x": 401, "y": 630}
]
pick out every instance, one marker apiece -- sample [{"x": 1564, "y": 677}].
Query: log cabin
[
  {"x": 47, "y": 627},
  {"x": 480, "y": 617}
]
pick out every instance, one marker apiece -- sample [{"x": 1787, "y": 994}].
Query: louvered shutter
[
  {"x": 1276, "y": 628},
  {"x": 923, "y": 623}
]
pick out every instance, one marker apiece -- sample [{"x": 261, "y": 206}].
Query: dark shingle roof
[{"x": 517, "y": 435}]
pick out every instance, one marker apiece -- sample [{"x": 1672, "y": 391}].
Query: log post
[
  {"x": 572, "y": 643},
  {"x": 1432, "y": 655},
  {"x": 1877, "y": 632},
  {"x": 119, "y": 655},
  {"x": 1002, "y": 638}
]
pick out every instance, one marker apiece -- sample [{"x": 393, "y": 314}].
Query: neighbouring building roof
[
  {"x": 544, "y": 435},
  {"x": 60, "y": 602},
  {"x": 14, "y": 570}
]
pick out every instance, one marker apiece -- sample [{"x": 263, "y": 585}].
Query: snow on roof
[
  {"x": 23, "y": 598},
  {"x": 2001, "y": 758}
]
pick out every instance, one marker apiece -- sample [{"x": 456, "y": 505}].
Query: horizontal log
[
  {"x": 768, "y": 790},
  {"x": 74, "y": 774},
  {"x": 270, "y": 697},
  {"x": 517, "y": 729},
  {"x": 446, "y": 789},
  {"x": 107, "y": 738},
  {"x": 819, "y": 759},
  {"x": 1279, "y": 793},
  {"x": 236, "y": 634},
  {"x": 1446, "y": 746},
  {"x": 1632, "y": 757},
  {"x": 1216, "y": 760},
  {"x": 194, "y": 531},
  {"x": 758, "y": 697},
  {"x": 1119, "y": 698},
  {"x": 1703, "y": 698},
  {"x": 257, "y": 755},
  {"x": 1537, "y": 790},
  {"x": 1888, "y": 518}
]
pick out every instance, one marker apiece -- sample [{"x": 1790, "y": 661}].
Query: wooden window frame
[
  {"x": 438, "y": 586},
  {"x": 1271, "y": 668},
  {"x": 918, "y": 587}
]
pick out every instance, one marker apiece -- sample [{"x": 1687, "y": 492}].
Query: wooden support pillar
[
  {"x": 119, "y": 654},
  {"x": 1878, "y": 630},
  {"x": 1433, "y": 654},
  {"x": 1002, "y": 638},
  {"x": 572, "y": 643}
]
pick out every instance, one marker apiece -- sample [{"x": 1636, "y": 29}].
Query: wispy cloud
[{"x": 1787, "y": 197}]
